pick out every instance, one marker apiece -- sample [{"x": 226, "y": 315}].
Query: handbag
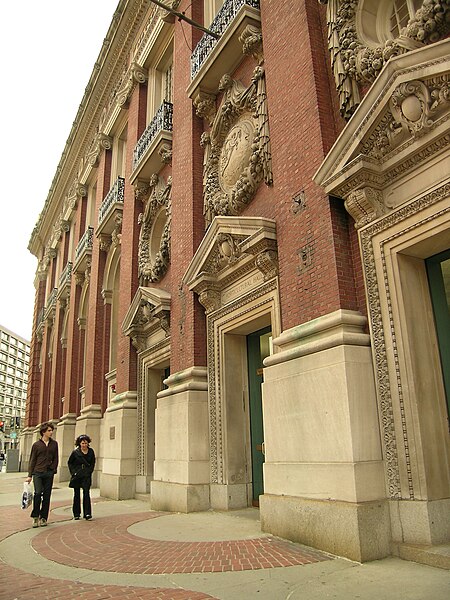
[{"x": 27, "y": 495}]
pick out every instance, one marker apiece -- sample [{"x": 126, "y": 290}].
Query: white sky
[{"x": 47, "y": 53}]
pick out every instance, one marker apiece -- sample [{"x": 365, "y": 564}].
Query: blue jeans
[{"x": 43, "y": 483}]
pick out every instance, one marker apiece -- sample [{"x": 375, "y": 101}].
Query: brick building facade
[{"x": 243, "y": 268}]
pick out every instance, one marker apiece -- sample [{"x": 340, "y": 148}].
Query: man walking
[{"x": 42, "y": 468}]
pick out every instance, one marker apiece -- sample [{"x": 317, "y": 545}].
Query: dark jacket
[
  {"x": 81, "y": 462},
  {"x": 43, "y": 457}
]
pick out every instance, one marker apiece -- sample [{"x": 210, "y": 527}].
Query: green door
[
  {"x": 438, "y": 269},
  {"x": 258, "y": 348}
]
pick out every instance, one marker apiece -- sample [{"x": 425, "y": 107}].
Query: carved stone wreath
[
  {"x": 152, "y": 267},
  {"x": 355, "y": 64},
  {"x": 237, "y": 154}
]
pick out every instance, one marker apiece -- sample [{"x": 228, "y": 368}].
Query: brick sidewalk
[
  {"x": 16, "y": 585},
  {"x": 104, "y": 544}
]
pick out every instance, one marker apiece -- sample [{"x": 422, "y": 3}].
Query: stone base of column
[
  {"x": 119, "y": 436},
  {"x": 182, "y": 467},
  {"x": 358, "y": 531},
  {"x": 230, "y": 496},
  {"x": 65, "y": 436},
  {"x": 179, "y": 497},
  {"x": 324, "y": 480},
  {"x": 420, "y": 522}
]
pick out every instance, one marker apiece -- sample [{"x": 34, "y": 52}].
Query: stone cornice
[{"x": 106, "y": 75}]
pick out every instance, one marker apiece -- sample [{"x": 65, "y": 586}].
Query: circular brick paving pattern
[
  {"x": 18, "y": 585},
  {"x": 105, "y": 545}
]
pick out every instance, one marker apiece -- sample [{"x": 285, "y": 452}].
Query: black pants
[
  {"x": 43, "y": 483},
  {"x": 85, "y": 485}
]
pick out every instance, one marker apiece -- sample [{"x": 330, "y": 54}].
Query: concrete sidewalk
[{"x": 128, "y": 551}]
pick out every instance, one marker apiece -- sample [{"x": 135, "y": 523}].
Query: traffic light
[
  {"x": 11, "y": 424},
  {"x": 17, "y": 421},
  {"x": 2, "y": 425}
]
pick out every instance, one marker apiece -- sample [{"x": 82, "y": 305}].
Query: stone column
[
  {"x": 324, "y": 475},
  {"x": 182, "y": 467}
]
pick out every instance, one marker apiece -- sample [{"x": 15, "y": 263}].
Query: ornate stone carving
[
  {"x": 252, "y": 43},
  {"x": 142, "y": 189},
  {"x": 165, "y": 152},
  {"x": 44, "y": 263},
  {"x": 116, "y": 235},
  {"x": 104, "y": 242},
  {"x": 354, "y": 63},
  {"x": 365, "y": 205},
  {"x": 410, "y": 105},
  {"x": 152, "y": 265},
  {"x": 267, "y": 263},
  {"x": 79, "y": 278},
  {"x": 237, "y": 149},
  {"x": 100, "y": 142},
  {"x": 167, "y": 16},
  {"x": 415, "y": 107},
  {"x": 205, "y": 106},
  {"x": 76, "y": 190},
  {"x": 210, "y": 299},
  {"x": 135, "y": 74}
]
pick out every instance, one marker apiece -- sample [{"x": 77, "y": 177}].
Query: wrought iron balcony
[
  {"x": 51, "y": 303},
  {"x": 115, "y": 194},
  {"x": 221, "y": 22},
  {"x": 65, "y": 275},
  {"x": 83, "y": 251},
  {"x": 85, "y": 243},
  {"x": 52, "y": 298},
  {"x": 64, "y": 281},
  {"x": 162, "y": 121},
  {"x": 40, "y": 318}
]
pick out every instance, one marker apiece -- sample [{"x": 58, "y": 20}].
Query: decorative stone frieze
[
  {"x": 355, "y": 64},
  {"x": 154, "y": 241}
]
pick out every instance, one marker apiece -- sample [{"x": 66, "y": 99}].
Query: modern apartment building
[
  {"x": 14, "y": 361},
  {"x": 242, "y": 284}
]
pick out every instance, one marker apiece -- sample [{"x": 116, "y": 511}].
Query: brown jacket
[{"x": 43, "y": 458}]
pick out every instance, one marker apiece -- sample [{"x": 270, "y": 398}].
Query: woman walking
[{"x": 81, "y": 465}]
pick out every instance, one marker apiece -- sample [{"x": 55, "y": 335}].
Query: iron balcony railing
[
  {"x": 52, "y": 298},
  {"x": 40, "y": 317},
  {"x": 85, "y": 243},
  {"x": 115, "y": 194},
  {"x": 220, "y": 23},
  {"x": 162, "y": 121},
  {"x": 64, "y": 278}
]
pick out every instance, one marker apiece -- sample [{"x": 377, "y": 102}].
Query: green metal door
[
  {"x": 438, "y": 269},
  {"x": 258, "y": 348}
]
